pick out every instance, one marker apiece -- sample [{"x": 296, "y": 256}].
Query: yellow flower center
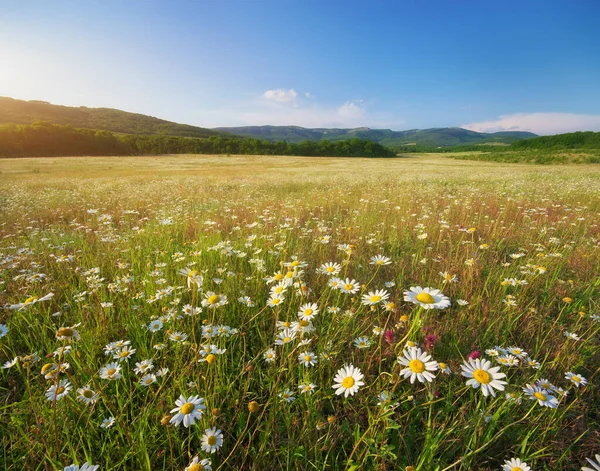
[
  {"x": 60, "y": 390},
  {"x": 124, "y": 354},
  {"x": 330, "y": 269},
  {"x": 194, "y": 467},
  {"x": 295, "y": 263},
  {"x": 30, "y": 300},
  {"x": 278, "y": 277},
  {"x": 287, "y": 339},
  {"x": 193, "y": 273},
  {"x": 307, "y": 358},
  {"x": 65, "y": 332},
  {"x": 308, "y": 312},
  {"x": 348, "y": 382},
  {"x": 443, "y": 366},
  {"x": 425, "y": 298},
  {"x": 47, "y": 367},
  {"x": 212, "y": 440},
  {"x": 539, "y": 395},
  {"x": 289, "y": 274},
  {"x": 348, "y": 286},
  {"x": 279, "y": 289},
  {"x": 214, "y": 299},
  {"x": 516, "y": 468},
  {"x": 303, "y": 323},
  {"x": 187, "y": 408},
  {"x": 417, "y": 366},
  {"x": 577, "y": 379},
  {"x": 375, "y": 299},
  {"x": 482, "y": 376},
  {"x": 112, "y": 371},
  {"x": 210, "y": 359},
  {"x": 276, "y": 300},
  {"x": 88, "y": 394}
]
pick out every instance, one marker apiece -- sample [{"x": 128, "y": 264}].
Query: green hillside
[
  {"x": 435, "y": 137},
  {"x": 572, "y": 140},
  {"x": 28, "y": 112}
]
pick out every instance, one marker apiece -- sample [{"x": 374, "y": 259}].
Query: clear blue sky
[{"x": 395, "y": 64}]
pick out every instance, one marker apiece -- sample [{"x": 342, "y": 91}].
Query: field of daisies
[{"x": 388, "y": 315}]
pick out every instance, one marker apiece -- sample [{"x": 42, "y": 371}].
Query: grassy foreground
[{"x": 214, "y": 278}]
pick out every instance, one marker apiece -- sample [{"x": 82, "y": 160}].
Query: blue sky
[{"x": 487, "y": 65}]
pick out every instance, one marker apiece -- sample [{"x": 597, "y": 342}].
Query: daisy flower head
[
  {"x": 108, "y": 422},
  {"x": 542, "y": 395},
  {"x": 269, "y": 355},
  {"x": 335, "y": 283},
  {"x": 330, "y": 269},
  {"x": 285, "y": 336},
  {"x": 380, "y": 260},
  {"x": 427, "y": 298},
  {"x": 482, "y": 376},
  {"x": 84, "y": 467},
  {"x": 349, "y": 286},
  {"x": 572, "y": 336},
  {"x": 287, "y": 396},
  {"x": 576, "y": 379},
  {"x": 57, "y": 391},
  {"x": 308, "y": 311},
  {"x": 148, "y": 379},
  {"x": 213, "y": 300},
  {"x": 111, "y": 371},
  {"x": 375, "y": 297},
  {"x": 418, "y": 365},
  {"x": 67, "y": 333},
  {"x": 362, "y": 342},
  {"x": 515, "y": 464},
  {"x": 348, "y": 380},
  {"x": 199, "y": 465},
  {"x": 307, "y": 388},
  {"x": 516, "y": 351},
  {"x": 302, "y": 327},
  {"x": 595, "y": 464},
  {"x": 212, "y": 440},
  {"x": 307, "y": 359},
  {"x": 178, "y": 336},
  {"x": 187, "y": 410},
  {"x": 275, "y": 300},
  {"x": 194, "y": 278},
  {"x": 87, "y": 395}
]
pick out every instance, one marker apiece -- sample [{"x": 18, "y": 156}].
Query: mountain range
[{"x": 117, "y": 121}]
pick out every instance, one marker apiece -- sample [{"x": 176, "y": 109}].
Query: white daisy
[
  {"x": 86, "y": 395},
  {"x": 418, "y": 365},
  {"x": 308, "y": 311},
  {"x": 427, "y": 298},
  {"x": 57, "y": 391},
  {"x": 212, "y": 440},
  {"x": 307, "y": 359},
  {"x": 187, "y": 410},
  {"x": 595, "y": 464},
  {"x": 542, "y": 395},
  {"x": 349, "y": 286},
  {"x": 515, "y": 464},
  {"x": 348, "y": 380},
  {"x": 481, "y": 375},
  {"x": 576, "y": 379},
  {"x": 375, "y": 297},
  {"x": 197, "y": 465}
]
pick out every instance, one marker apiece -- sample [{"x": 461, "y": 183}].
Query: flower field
[{"x": 191, "y": 313}]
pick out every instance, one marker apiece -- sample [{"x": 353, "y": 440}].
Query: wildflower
[
  {"x": 124, "y": 353},
  {"x": 193, "y": 277},
  {"x": 448, "y": 277},
  {"x": 269, "y": 356},
  {"x": 187, "y": 410},
  {"x": 473, "y": 355},
  {"x": 213, "y": 300},
  {"x": 275, "y": 300},
  {"x": 330, "y": 268},
  {"x": 362, "y": 342},
  {"x": 306, "y": 388},
  {"x": 462, "y": 302},
  {"x": 444, "y": 368},
  {"x": 515, "y": 464},
  {"x": 148, "y": 379},
  {"x": 380, "y": 260},
  {"x": 418, "y": 365},
  {"x": 198, "y": 465},
  {"x": 517, "y": 352},
  {"x": 30, "y": 301},
  {"x": 108, "y": 422},
  {"x": 348, "y": 380},
  {"x": 576, "y": 379},
  {"x": 86, "y": 395},
  {"x": 144, "y": 366},
  {"x": 308, "y": 311},
  {"x": 542, "y": 395},
  {"x": 84, "y": 467},
  {"x": 155, "y": 325},
  {"x": 384, "y": 398},
  {"x": 375, "y": 297},
  {"x": 253, "y": 407},
  {"x": 481, "y": 375},
  {"x": 307, "y": 359},
  {"x": 349, "y": 286},
  {"x": 572, "y": 336},
  {"x": 178, "y": 336},
  {"x": 10, "y": 363},
  {"x": 285, "y": 336},
  {"x": 212, "y": 440},
  {"x": 427, "y": 298},
  {"x": 595, "y": 464},
  {"x": 57, "y": 392},
  {"x": 531, "y": 363},
  {"x": 111, "y": 371}
]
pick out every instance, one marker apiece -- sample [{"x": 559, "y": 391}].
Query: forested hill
[
  {"x": 572, "y": 140},
  {"x": 28, "y": 112},
  {"x": 43, "y": 139},
  {"x": 434, "y": 137}
]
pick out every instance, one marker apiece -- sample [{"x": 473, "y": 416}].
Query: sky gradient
[{"x": 485, "y": 65}]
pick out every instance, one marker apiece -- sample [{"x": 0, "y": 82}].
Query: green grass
[
  {"x": 240, "y": 219},
  {"x": 534, "y": 156}
]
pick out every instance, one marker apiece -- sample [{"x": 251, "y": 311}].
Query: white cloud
[
  {"x": 281, "y": 96},
  {"x": 351, "y": 110},
  {"x": 539, "y": 123}
]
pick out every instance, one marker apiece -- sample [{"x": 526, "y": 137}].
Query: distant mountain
[
  {"x": 434, "y": 137},
  {"x": 27, "y": 112}
]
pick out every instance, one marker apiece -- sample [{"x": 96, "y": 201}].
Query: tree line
[{"x": 43, "y": 139}]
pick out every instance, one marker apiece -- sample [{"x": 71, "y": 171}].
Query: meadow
[{"x": 252, "y": 312}]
